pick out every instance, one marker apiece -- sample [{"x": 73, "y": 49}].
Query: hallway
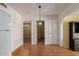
[
  {"x": 43, "y": 50},
  {"x": 38, "y": 29}
]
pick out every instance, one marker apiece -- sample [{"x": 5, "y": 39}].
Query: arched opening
[{"x": 65, "y": 28}]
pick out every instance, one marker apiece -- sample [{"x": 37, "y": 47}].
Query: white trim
[
  {"x": 17, "y": 46},
  {"x": 10, "y": 54}
]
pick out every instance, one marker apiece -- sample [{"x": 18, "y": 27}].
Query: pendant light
[{"x": 39, "y": 22}]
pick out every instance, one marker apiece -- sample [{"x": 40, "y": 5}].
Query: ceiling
[{"x": 31, "y": 9}]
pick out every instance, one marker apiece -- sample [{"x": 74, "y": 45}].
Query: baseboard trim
[{"x": 11, "y": 53}]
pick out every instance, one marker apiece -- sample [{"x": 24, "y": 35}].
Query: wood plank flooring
[{"x": 43, "y": 50}]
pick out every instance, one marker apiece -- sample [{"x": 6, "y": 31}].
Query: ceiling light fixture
[{"x": 39, "y": 22}]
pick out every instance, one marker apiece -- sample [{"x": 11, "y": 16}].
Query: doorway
[
  {"x": 27, "y": 32},
  {"x": 40, "y": 32}
]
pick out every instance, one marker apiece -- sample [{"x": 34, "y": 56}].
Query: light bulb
[{"x": 39, "y": 23}]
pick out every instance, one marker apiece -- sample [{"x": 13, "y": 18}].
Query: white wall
[
  {"x": 73, "y": 9},
  {"x": 50, "y": 28},
  {"x": 17, "y": 34},
  {"x": 51, "y": 32},
  {"x": 34, "y": 32},
  {"x": 16, "y": 28}
]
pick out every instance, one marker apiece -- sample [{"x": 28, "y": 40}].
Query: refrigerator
[{"x": 5, "y": 34}]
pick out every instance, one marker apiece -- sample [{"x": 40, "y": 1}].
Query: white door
[{"x": 5, "y": 36}]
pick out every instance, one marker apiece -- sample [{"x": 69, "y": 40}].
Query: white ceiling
[{"x": 32, "y": 8}]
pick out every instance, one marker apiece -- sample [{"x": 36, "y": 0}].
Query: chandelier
[{"x": 39, "y": 22}]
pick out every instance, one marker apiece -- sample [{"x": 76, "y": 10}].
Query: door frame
[
  {"x": 44, "y": 30},
  {"x": 31, "y": 31}
]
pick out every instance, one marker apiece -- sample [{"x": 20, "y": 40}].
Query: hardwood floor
[{"x": 43, "y": 50}]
